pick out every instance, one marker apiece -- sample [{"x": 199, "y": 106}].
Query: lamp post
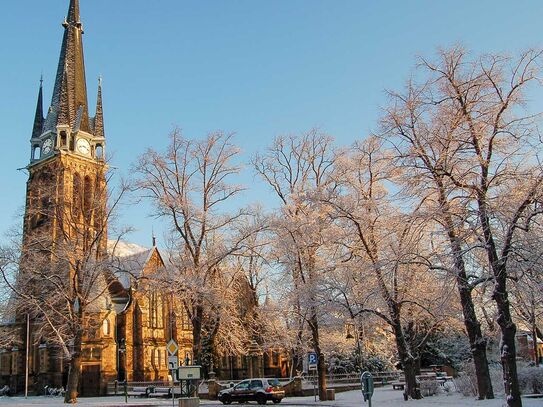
[
  {"x": 121, "y": 348},
  {"x": 352, "y": 326}
]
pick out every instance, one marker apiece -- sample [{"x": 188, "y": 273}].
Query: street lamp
[
  {"x": 121, "y": 348},
  {"x": 350, "y": 327}
]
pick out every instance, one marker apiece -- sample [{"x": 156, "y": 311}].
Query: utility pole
[{"x": 27, "y": 353}]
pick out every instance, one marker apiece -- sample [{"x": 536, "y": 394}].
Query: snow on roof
[
  {"x": 119, "y": 248},
  {"x": 129, "y": 261}
]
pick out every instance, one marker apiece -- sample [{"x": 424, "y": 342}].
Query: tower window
[
  {"x": 63, "y": 139},
  {"x": 36, "y": 152},
  {"x": 99, "y": 152}
]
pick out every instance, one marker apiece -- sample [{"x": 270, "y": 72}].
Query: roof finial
[{"x": 154, "y": 237}]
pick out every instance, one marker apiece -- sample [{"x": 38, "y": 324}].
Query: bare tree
[
  {"x": 526, "y": 270},
  {"x": 63, "y": 271},
  {"x": 425, "y": 145},
  {"x": 472, "y": 153},
  {"x": 384, "y": 245},
  {"x": 296, "y": 168},
  {"x": 190, "y": 185}
]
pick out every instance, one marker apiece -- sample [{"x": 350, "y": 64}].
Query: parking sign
[{"x": 312, "y": 360}]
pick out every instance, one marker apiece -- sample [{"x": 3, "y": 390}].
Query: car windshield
[{"x": 273, "y": 382}]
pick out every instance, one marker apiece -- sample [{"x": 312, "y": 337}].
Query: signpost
[
  {"x": 188, "y": 375},
  {"x": 312, "y": 363},
  {"x": 366, "y": 380},
  {"x": 173, "y": 363}
]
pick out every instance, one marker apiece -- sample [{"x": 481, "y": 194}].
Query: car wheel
[
  {"x": 276, "y": 401},
  {"x": 226, "y": 400},
  {"x": 261, "y": 399}
]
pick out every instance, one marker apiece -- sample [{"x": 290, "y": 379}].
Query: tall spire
[
  {"x": 73, "y": 12},
  {"x": 38, "y": 119},
  {"x": 99, "y": 117},
  {"x": 70, "y": 79}
]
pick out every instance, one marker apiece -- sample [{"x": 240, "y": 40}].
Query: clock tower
[{"x": 66, "y": 189}]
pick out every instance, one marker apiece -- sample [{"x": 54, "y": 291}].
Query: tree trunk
[
  {"x": 74, "y": 375},
  {"x": 409, "y": 371},
  {"x": 477, "y": 342},
  {"x": 508, "y": 351},
  {"x": 408, "y": 361},
  {"x": 534, "y": 344},
  {"x": 321, "y": 363},
  {"x": 197, "y": 335}
]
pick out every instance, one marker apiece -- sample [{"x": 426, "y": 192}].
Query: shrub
[
  {"x": 466, "y": 382},
  {"x": 530, "y": 379}
]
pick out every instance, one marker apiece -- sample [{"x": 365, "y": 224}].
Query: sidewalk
[{"x": 383, "y": 397}]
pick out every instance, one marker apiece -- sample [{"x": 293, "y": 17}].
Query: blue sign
[{"x": 312, "y": 360}]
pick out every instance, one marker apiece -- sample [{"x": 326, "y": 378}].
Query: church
[
  {"x": 127, "y": 320},
  {"x": 66, "y": 215}
]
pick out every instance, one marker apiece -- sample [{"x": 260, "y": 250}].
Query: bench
[
  {"x": 138, "y": 392},
  {"x": 398, "y": 385},
  {"x": 158, "y": 392}
]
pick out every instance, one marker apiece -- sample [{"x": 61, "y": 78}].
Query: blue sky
[{"x": 254, "y": 67}]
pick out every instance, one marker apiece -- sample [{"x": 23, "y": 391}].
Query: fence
[
  {"x": 382, "y": 378},
  {"x": 332, "y": 380}
]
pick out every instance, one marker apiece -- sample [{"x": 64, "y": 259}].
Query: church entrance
[{"x": 90, "y": 380}]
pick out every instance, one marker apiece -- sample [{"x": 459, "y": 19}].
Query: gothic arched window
[
  {"x": 106, "y": 327},
  {"x": 88, "y": 198},
  {"x": 155, "y": 310},
  {"x": 77, "y": 193}
]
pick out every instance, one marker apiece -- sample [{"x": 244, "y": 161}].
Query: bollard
[{"x": 366, "y": 380}]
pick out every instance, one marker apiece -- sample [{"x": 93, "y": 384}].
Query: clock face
[
  {"x": 47, "y": 146},
  {"x": 83, "y": 146}
]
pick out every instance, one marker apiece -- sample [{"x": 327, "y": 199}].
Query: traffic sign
[
  {"x": 173, "y": 363},
  {"x": 172, "y": 348},
  {"x": 189, "y": 372},
  {"x": 312, "y": 360}
]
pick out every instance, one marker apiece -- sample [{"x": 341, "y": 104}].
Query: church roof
[{"x": 129, "y": 261}]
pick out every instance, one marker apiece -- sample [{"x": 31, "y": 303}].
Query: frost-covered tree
[
  {"x": 60, "y": 274},
  {"x": 298, "y": 168},
  {"x": 470, "y": 151},
  {"x": 191, "y": 185},
  {"x": 382, "y": 274}
]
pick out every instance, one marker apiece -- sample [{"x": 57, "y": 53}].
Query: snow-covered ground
[{"x": 384, "y": 397}]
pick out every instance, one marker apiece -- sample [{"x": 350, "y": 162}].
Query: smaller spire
[
  {"x": 37, "y": 130},
  {"x": 99, "y": 117},
  {"x": 154, "y": 237}
]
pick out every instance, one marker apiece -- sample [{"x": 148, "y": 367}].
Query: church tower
[{"x": 66, "y": 190}]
